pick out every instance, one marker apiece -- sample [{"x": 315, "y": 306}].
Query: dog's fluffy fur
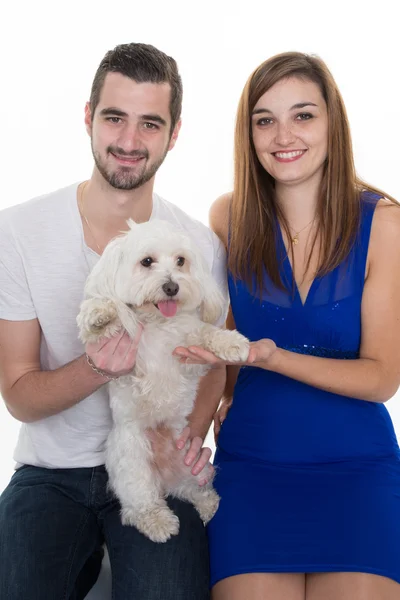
[{"x": 122, "y": 291}]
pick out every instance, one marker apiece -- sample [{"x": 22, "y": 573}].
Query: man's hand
[{"x": 115, "y": 356}]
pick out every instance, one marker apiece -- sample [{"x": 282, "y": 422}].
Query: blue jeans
[{"x": 53, "y": 523}]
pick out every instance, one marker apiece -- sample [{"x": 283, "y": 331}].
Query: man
[{"x": 57, "y": 512}]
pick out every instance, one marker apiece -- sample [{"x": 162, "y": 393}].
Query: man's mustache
[{"x": 132, "y": 154}]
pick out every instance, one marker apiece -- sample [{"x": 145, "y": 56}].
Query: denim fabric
[{"x": 53, "y": 523}]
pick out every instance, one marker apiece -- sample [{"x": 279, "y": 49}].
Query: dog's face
[{"x": 155, "y": 268}]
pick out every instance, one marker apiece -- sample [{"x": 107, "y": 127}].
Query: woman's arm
[
  {"x": 232, "y": 372},
  {"x": 219, "y": 223},
  {"x": 375, "y": 376}
]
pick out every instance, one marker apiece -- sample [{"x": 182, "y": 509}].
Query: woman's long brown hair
[{"x": 254, "y": 210}]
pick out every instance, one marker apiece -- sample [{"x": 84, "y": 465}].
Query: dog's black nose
[{"x": 170, "y": 288}]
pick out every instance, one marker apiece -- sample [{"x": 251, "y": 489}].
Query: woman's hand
[
  {"x": 259, "y": 355},
  {"x": 220, "y": 416},
  {"x": 196, "y": 456},
  {"x": 176, "y": 457}
]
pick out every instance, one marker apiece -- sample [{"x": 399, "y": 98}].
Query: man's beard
[{"x": 123, "y": 178}]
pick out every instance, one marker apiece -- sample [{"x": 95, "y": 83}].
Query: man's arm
[{"x": 31, "y": 394}]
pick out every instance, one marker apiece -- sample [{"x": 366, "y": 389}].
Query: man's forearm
[
  {"x": 40, "y": 394},
  {"x": 210, "y": 392}
]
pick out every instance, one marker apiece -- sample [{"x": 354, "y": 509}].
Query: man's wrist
[{"x": 105, "y": 375}]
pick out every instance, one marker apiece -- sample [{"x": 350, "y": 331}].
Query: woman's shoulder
[
  {"x": 385, "y": 230},
  {"x": 387, "y": 215},
  {"x": 382, "y": 211},
  {"x": 219, "y": 216}
]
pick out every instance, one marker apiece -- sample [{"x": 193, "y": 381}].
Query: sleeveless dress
[{"x": 309, "y": 480}]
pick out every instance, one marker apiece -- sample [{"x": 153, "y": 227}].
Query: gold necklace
[
  {"x": 80, "y": 205},
  {"x": 295, "y": 238}
]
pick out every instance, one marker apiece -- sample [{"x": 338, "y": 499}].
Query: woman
[{"x": 307, "y": 462}]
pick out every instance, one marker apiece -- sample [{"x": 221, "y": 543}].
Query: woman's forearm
[{"x": 363, "y": 378}]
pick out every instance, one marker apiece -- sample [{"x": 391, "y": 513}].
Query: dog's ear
[
  {"x": 212, "y": 305},
  {"x": 101, "y": 280}
]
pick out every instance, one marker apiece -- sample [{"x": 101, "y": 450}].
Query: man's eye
[
  {"x": 147, "y": 262},
  {"x": 180, "y": 261},
  {"x": 115, "y": 120},
  {"x": 150, "y": 126}
]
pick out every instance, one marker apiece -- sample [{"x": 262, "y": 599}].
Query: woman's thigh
[
  {"x": 350, "y": 586},
  {"x": 261, "y": 586}
]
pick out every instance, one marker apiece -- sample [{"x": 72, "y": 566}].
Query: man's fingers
[
  {"x": 116, "y": 354},
  {"x": 138, "y": 334},
  {"x": 104, "y": 342},
  {"x": 130, "y": 357}
]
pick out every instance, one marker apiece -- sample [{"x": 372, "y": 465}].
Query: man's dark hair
[{"x": 144, "y": 64}]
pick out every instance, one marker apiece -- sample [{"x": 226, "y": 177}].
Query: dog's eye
[
  {"x": 147, "y": 262},
  {"x": 180, "y": 261}
]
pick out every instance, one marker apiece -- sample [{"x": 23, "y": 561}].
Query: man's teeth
[
  {"x": 289, "y": 154},
  {"x": 128, "y": 158}
]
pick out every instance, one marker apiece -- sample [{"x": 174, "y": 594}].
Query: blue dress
[{"x": 309, "y": 480}]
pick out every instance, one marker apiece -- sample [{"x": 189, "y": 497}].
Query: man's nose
[{"x": 129, "y": 138}]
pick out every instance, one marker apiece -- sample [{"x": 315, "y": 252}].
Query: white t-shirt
[{"x": 44, "y": 263}]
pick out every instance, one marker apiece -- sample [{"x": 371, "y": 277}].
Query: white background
[{"x": 50, "y": 51}]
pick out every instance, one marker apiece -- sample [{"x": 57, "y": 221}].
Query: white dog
[{"x": 154, "y": 275}]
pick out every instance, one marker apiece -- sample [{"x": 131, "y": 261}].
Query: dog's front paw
[
  {"x": 207, "y": 505},
  {"x": 231, "y": 346},
  {"x": 97, "y": 319},
  {"x": 158, "y": 524}
]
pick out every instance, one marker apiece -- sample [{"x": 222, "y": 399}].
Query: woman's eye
[
  {"x": 304, "y": 116},
  {"x": 180, "y": 261},
  {"x": 147, "y": 262},
  {"x": 264, "y": 121}
]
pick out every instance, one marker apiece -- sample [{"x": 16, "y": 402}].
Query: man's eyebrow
[
  {"x": 258, "y": 111},
  {"x": 116, "y": 112},
  {"x": 111, "y": 111}
]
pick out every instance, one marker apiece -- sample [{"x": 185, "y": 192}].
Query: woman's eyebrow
[{"x": 257, "y": 111}]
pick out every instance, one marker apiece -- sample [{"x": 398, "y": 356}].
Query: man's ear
[
  {"x": 174, "y": 135},
  {"x": 88, "y": 119}
]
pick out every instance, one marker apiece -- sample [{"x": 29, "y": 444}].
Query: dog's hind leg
[
  {"x": 137, "y": 485},
  {"x": 205, "y": 499}
]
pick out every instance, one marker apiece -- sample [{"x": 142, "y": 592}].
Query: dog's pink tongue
[{"x": 168, "y": 308}]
